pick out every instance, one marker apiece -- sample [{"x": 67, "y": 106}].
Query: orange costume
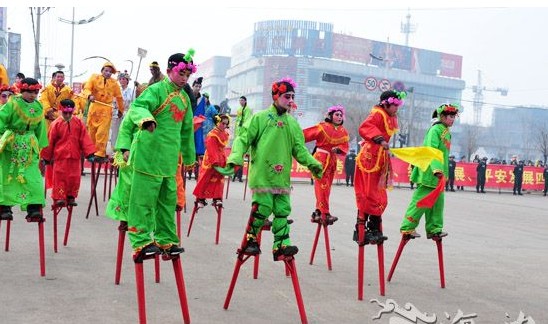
[
  {"x": 50, "y": 98},
  {"x": 68, "y": 140},
  {"x": 210, "y": 182},
  {"x": 104, "y": 91},
  {"x": 330, "y": 141}
]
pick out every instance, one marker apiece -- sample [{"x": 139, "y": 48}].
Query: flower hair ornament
[
  {"x": 181, "y": 66},
  {"x": 447, "y": 109},
  {"x": 6, "y": 87},
  {"x": 27, "y": 87},
  {"x": 332, "y": 109},
  {"x": 282, "y": 86},
  {"x": 65, "y": 109}
]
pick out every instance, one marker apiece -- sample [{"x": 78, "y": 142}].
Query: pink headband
[
  {"x": 66, "y": 109},
  {"x": 184, "y": 66},
  {"x": 336, "y": 108},
  {"x": 392, "y": 101}
]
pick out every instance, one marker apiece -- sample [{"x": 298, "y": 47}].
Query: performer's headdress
[
  {"x": 446, "y": 109},
  {"x": 110, "y": 65},
  {"x": 178, "y": 62},
  {"x": 282, "y": 86},
  {"x": 124, "y": 75},
  {"x": 218, "y": 118},
  {"x": 154, "y": 64},
  {"x": 28, "y": 85},
  {"x": 8, "y": 88},
  {"x": 66, "y": 106},
  {"x": 331, "y": 110},
  {"x": 392, "y": 97}
]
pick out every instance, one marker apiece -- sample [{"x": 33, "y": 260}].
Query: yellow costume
[
  {"x": 50, "y": 98},
  {"x": 105, "y": 91}
]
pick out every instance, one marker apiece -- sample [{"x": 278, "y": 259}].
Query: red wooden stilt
[
  {"x": 95, "y": 173},
  {"x": 157, "y": 268},
  {"x": 440, "y": 261},
  {"x": 105, "y": 182},
  {"x": 380, "y": 260},
  {"x": 219, "y": 210},
  {"x": 404, "y": 240},
  {"x": 322, "y": 224},
  {"x": 194, "y": 212},
  {"x": 119, "y": 255},
  {"x": 56, "y": 210},
  {"x": 361, "y": 257},
  {"x": 315, "y": 244},
  {"x": 141, "y": 302},
  {"x": 8, "y": 232},
  {"x": 290, "y": 268},
  {"x": 67, "y": 225},
  {"x": 256, "y": 258},
  {"x": 179, "y": 279},
  {"x": 41, "y": 244}
]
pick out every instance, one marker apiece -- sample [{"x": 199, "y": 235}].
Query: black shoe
[
  {"x": 436, "y": 236},
  {"x": 331, "y": 219},
  {"x": 375, "y": 237},
  {"x": 201, "y": 203},
  {"x": 148, "y": 252},
  {"x": 252, "y": 247},
  {"x": 452, "y": 190},
  {"x": 7, "y": 214},
  {"x": 240, "y": 180},
  {"x": 355, "y": 238},
  {"x": 34, "y": 214},
  {"x": 482, "y": 191},
  {"x": 217, "y": 203},
  {"x": 316, "y": 216},
  {"x": 172, "y": 252},
  {"x": 59, "y": 203},
  {"x": 411, "y": 235},
  {"x": 284, "y": 251},
  {"x": 520, "y": 194},
  {"x": 71, "y": 201}
]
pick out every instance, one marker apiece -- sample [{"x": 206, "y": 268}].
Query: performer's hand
[
  {"x": 316, "y": 170},
  {"x": 149, "y": 126},
  {"x": 91, "y": 98},
  {"x": 385, "y": 145},
  {"x": 438, "y": 175},
  {"x": 50, "y": 115},
  {"x": 190, "y": 167},
  {"x": 125, "y": 155}
]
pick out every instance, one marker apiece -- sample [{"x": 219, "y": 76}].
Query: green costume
[
  {"x": 273, "y": 141},
  {"x": 152, "y": 198},
  {"x": 23, "y": 136},
  {"x": 439, "y": 137}
]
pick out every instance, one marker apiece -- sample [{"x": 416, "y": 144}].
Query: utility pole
[
  {"x": 39, "y": 12},
  {"x": 478, "y": 97}
]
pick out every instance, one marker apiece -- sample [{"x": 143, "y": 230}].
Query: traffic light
[{"x": 327, "y": 77}]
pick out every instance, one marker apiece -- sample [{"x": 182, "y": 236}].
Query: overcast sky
[{"x": 503, "y": 39}]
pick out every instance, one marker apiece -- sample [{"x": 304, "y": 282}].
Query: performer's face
[
  {"x": 29, "y": 96},
  {"x": 180, "y": 78},
  {"x": 286, "y": 100},
  {"x": 223, "y": 124},
  {"x": 59, "y": 79},
  {"x": 392, "y": 110},
  {"x": 4, "y": 97},
  {"x": 107, "y": 72},
  {"x": 448, "y": 120},
  {"x": 337, "y": 117}
]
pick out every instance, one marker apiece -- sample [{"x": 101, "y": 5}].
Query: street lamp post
[{"x": 74, "y": 22}]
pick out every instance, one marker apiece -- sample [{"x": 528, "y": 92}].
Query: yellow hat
[{"x": 110, "y": 65}]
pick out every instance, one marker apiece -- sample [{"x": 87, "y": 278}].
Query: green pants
[
  {"x": 434, "y": 215},
  {"x": 151, "y": 210},
  {"x": 117, "y": 207},
  {"x": 280, "y": 206}
]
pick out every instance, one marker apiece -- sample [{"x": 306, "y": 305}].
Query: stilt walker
[
  {"x": 163, "y": 119},
  {"x": 331, "y": 140},
  {"x": 22, "y": 136},
  {"x": 210, "y": 182},
  {"x": 273, "y": 138},
  {"x": 373, "y": 176},
  {"x": 428, "y": 198}
]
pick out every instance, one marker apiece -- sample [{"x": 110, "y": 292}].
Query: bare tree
[
  {"x": 541, "y": 141},
  {"x": 470, "y": 138}
]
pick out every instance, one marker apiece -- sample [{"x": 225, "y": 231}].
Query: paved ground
[{"x": 495, "y": 259}]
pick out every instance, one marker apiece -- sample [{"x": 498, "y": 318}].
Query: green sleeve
[
  {"x": 188, "y": 149},
  {"x": 433, "y": 139},
  {"x": 142, "y": 108}
]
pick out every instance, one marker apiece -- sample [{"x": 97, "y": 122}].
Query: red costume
[
  {"x": 329, "y": 138},
  {"x": 210, "y": 182},
  {"x": 373, "y": 162},
  {"x": 67, "y": 141}
]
